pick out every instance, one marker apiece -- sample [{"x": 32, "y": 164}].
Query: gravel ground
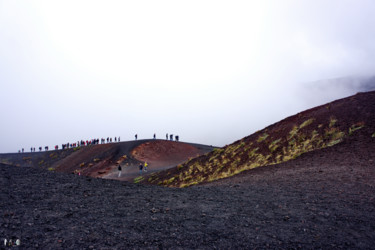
[{"x": 305, "y": 205}]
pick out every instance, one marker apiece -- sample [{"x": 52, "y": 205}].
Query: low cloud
[{"x": 211, "y": 72}]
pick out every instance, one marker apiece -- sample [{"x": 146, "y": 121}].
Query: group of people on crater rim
[
  {"x": 170, "y": 137},
  {"x": 176, "y": 137},
  {"x": 77, "y": 144},
  {"x": 94, "y": 142}
]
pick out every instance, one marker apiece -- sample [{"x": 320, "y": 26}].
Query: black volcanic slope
[{"x": 317, "y": 128}]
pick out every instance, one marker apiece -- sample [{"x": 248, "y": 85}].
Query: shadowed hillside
[{"x": 313, "y": 129}]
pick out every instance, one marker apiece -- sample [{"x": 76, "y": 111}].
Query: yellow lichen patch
[
  {"x": 306, "y": 123},
  {"x": 332, "y": 122},
  {"x": 314, "y": 135},
  {"x": 273, "y": 146},
  {"x": 138, "y": 179},
  {"x": 293, "y": 132},
  {"x": 53, "y": 155},
  {"x": 253, "y": 152},
  {"x": 356, "y": 127},
  {"x": 170, "y": 180},
  {"x": 278, "y": 158},
  {"x": 334, "y": 134},
  {"x": 333, "y": 142},
  {"x": 262, "y": 137}
]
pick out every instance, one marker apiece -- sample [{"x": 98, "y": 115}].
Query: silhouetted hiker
[
  {"x": 46, "y": 148},
  {"x": 166, "y": 136},
  {"x": 119, "y": 139},
  {"x": 145, "y": 168},
  {"x": 23, "y": 150},
  {"x": 154, "y": 136},
  {"x": 140, "y": 168},
  {"x": 177, "y": 138},
  {"x": 40, "y": 148},
  {"x": 136, "y": 136},
  {"x": 107, "y": 139},
  {"x": 115, "y": 139},
  {"x": 171, "y": 137},
  {"x": 119, "y": 170},
  {"x": 31, "y": 149}
]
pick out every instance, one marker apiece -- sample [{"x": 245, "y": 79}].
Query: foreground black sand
[{"x": 309, "y": 205}]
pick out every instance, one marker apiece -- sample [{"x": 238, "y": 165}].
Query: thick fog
[{"x": 211, "y": 72}]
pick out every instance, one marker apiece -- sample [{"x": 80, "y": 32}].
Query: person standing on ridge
[
  {"x": 154, "y": 136},
  {"x": 166, "y": 136},
  {"x": 136, "y": 136}
]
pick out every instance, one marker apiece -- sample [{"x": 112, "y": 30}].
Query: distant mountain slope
[{"x": 316, "y": 128}]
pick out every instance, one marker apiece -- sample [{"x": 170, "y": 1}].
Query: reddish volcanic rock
[{"x": 165, "y": 153}]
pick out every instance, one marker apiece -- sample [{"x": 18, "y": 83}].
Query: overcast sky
[{"x": 210, "y": 71}]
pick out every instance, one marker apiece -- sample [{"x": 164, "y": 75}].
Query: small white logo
[{"x": 10, "y": 243}]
